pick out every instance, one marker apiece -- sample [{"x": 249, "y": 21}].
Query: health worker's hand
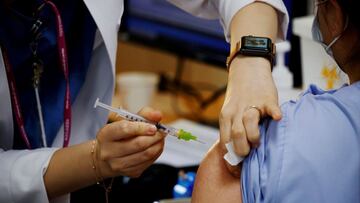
[
  {"x": 127, "y": 148},
  {"x": 250, "y": 83}
]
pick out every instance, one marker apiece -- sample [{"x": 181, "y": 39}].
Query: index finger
[
  {"x": 150, "y": 114},
  {"x": 128, "y": 129},
  {"x": 225, "y": 129}
]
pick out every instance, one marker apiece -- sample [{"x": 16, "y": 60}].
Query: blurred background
[
  {"x": 180, "y": 61},
  {"x": 188, "y": 54}
]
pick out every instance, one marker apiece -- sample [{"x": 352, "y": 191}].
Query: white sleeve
[
  {"x": 21, "y": 175},
  {"x": 226, "y": 9}
]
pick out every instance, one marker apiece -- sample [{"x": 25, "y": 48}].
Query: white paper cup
[{"x": 136, "y": 89}]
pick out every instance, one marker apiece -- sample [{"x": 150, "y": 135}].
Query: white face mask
[{"x": 317, "y": 36}]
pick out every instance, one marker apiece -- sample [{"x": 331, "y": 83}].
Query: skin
[
  {"x": 332, "y": 22},
  {"x": 213, "y": 182},
  {"x": 128, "y": 148},
  {"x": 237, "y": 122},
  {"x": 124, "y": 148}
]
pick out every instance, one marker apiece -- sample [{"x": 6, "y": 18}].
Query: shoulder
[
  {"x": 316, "y": 106},
  {"x": 317, "y": 132},
  {"x": 317, "y": 116}
]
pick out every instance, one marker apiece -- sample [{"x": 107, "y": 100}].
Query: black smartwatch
[{"x": 253, "y": 46}]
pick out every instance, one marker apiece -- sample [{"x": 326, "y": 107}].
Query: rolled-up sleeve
[
  {"x": 311, "y": 155},
  {"x": 21, "y": 175},
  {"x": 225, "y": 10}
]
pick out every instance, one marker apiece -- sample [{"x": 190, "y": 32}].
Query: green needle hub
[{"x": 183, "y": 135}]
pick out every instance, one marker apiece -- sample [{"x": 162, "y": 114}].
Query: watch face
[
  {"x": 254, "y": 46},
  {"x": 256, "y": 42}
]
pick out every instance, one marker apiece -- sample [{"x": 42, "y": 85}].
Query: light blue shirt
[{"x": 312, "y": 155}]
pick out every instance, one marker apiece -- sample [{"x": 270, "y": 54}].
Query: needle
[{"x": 180, "y": 134}]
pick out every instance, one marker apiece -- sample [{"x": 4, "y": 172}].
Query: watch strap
[{"x": 239, "y": 51}]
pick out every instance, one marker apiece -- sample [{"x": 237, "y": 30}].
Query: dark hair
[{"x": 351, "y": 8}]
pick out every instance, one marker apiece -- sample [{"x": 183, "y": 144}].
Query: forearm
[
  {"x": 69, "y": 169},
  {"x": 250, "y": 80},
  {"x": 122, "y": 148},
  {"x": 258, "y": 19}
]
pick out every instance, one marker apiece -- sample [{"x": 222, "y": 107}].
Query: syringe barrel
[
  {"x": 167, "y": 129},
  {"x": 133, "y": 117}
]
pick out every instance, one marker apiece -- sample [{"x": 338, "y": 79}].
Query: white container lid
[
  {"x": 302, "y": 26},
  {"x": 137, "y": 78}
]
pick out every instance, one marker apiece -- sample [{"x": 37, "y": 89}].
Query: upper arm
[
  {"x": 225, "y": 10},
  {"x": 302, "y": 156},
  {"x": 213, "y": 182}
]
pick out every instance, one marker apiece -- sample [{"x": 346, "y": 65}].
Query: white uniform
[{"x": 21, "y": 171}]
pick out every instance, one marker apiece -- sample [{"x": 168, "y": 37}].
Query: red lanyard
[
  {"x": 15, "y": 100},
  {"x": 64, "y": 67}
]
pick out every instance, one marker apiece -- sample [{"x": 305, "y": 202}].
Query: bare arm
[
  {"x": 124, "y": 148},
  {"x": 250, "y": 81},
  {"x": 69, "y": 170},
  {"x": 258, "y": 19},
  {"x": 213, "y": 182}
]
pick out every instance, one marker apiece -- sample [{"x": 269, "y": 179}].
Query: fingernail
[{"x": 151, "y": 130}]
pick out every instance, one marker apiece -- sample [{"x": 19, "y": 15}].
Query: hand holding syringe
[{"x": 180, "y": 134}]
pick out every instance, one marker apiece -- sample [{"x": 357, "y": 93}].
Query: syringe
[{"x": 180, "y": 134}]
